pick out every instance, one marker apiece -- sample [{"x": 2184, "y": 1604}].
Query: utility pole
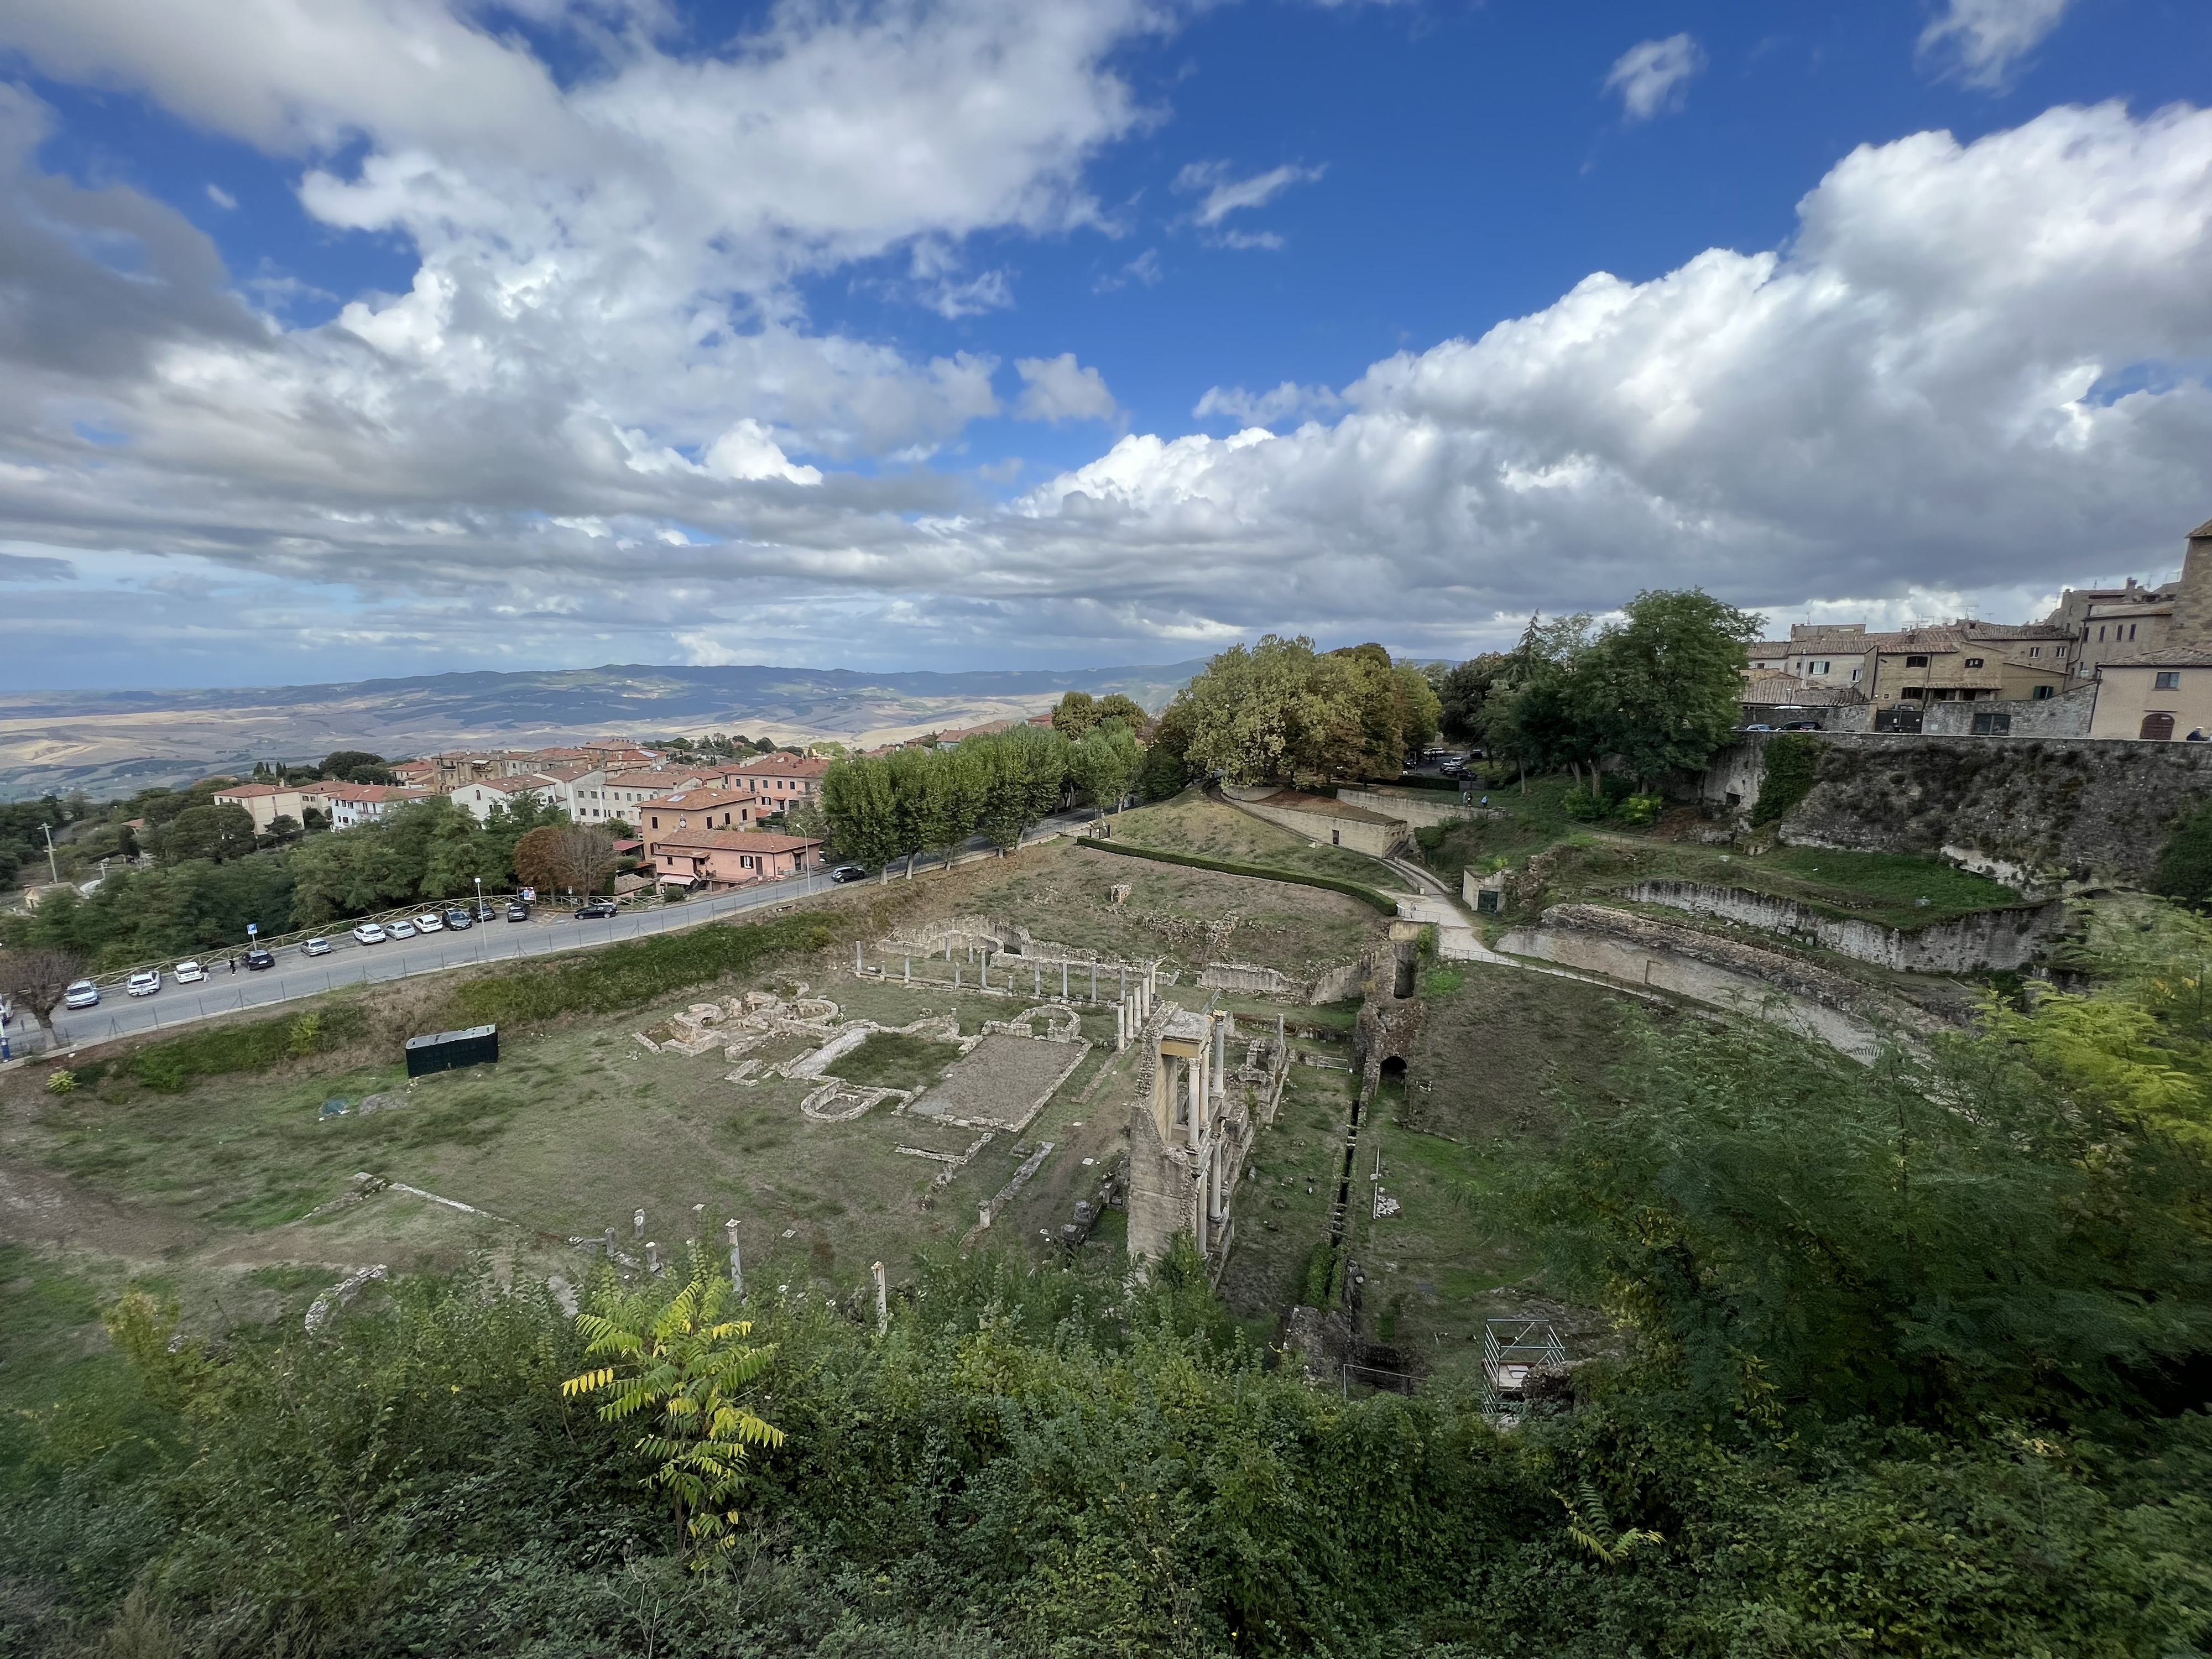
[{"x": 51, "y": 870}]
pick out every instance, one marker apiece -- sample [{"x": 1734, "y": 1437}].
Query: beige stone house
[{"x": 2163, "y": 696}]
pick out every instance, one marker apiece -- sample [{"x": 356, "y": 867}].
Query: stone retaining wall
[{"x": 2000, "y": 940}]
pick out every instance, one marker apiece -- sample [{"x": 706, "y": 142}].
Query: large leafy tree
[
  {"x": 1661, "y": 688},
  {"x": 36, "y": 977},
  {"x": 217, "y": 833},
  {"x": 564, "y": 857},
  {"x": 1463, "y": 694},
  {"x": 1105, "y": 764},
  {"x": 859, "y": 802},
  {"x": 1267, "y": 713},
  {"x": 1531, "y": 716}
]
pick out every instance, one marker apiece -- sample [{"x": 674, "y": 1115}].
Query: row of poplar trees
[{"x": 880, "y": 809}]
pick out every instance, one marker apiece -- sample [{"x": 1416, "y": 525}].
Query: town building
[
  {"x": 703, "y": 861},
  {"x": 2159, "y": 697},
  {"x": 782, "y": 780},
  {"x": 345, "y": 804},
  {"x": 267, "y": 802},
  {"x": 698, "y": 808}
]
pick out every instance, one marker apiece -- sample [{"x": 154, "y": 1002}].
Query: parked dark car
[
  {"x": 258, "y": 958},
  {"x": 518, "y": 911},
  {"x": 486, "y": 913},
  {"x": 1800, "y": 725},
  {"x": 597, "y": 909},
  {"x": 849, "y": 872},
  {"x": 457, "y": 919}
]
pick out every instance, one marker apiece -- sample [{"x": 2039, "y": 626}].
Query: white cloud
[
  {"x": 1057, "y": 389},
  {"x": 1652, "y": 76},
  {"x": 1144, "y": 268},
  {"x": 1968, "y": 372},
  {"x": 1223, "y": 195},
  {"x": 1267, "y": 408},
  {"x": 1983, "y": 42},
  {"x": 221, "y": 198}
]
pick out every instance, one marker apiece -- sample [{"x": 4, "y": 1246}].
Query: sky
[{"x": 345, "y": 338}]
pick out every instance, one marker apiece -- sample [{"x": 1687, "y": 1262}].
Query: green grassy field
[{"x": 1193, "y": 822}]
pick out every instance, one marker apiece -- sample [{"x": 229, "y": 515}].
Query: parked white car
[
  {"x": 430, "y": 922},
  {"x": 189, "y": 973},
  {"x": 402, "y": 930},
  {"x": 368, "y": 934},
  {"x": 145, "y": 982},
  {"x": 82, "y": 994},
  {"x": 317, "y": 946}
]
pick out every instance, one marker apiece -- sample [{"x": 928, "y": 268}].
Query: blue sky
[{"x": 380, "y": 337}]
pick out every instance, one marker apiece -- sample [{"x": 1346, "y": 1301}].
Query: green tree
[
  {"x": 1530, "y": 717},
  {"x": 1662, "y": 688},
  {"x": 1105, "y": 764},
  {"x": 209, "y": 832},
  {"x": 861, "y": 804},
  {"x": 356, "y": 766},
  {"x": 1074, "y": 715},
  {"x": 2184, "y": 864},
  {"x": 1115, "y": 709},
  {"x": 687, "y": 1370},
  {"x": 1463, "y": 694},
  {"x": 1165, "y": 769},
  {"x": 1267, "y": 713}
]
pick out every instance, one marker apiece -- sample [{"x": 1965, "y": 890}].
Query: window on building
[
  {"x": 1913, "y": 691},
  {"x": 1973, "y": 662},
  {"x": 1916, "y": 662},
  {"x": 1855, "y": 674},
  {"x": 2043, "y": 691},
  {"x": 2169, "y": 679},
  {"x": 2034, "y": 650},
  {"x": 2101, "y": 633},
  {"x": 2131, "y": 630}
]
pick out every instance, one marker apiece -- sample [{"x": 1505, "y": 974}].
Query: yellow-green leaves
[{"x": 687, "y": 1368}]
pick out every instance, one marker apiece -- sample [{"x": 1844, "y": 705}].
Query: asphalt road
[{"x": 549, "y": 932}]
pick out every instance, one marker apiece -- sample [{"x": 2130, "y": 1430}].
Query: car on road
[
  {"x": 597, "y": 909},
  {"x": 402, "y": 930},
  {"x": 1756, "y": 726},
  {"x": 259, "y": 957},
  {"x": 428, "y": 923},
  {"x": 189, "y": 973},
  {"x": 316, "y": 947},
  {"x": 457, "y": 919},
  {"x": 1800, "y": 725},
  {"x": 82, "y": 994},
  {"x": 518, "y": 911},
  {"x": 849, "y": 872},
  {"x": 145, "y": 982},
  {"x": 369, "y": 934}
]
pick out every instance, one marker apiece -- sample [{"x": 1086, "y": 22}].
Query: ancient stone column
[
  {"x": 637, "y": 1224},
  {"x": 652, "y": 1257},
  {"x": 737, "y": 1257},
  {"x": 883, "y": 1300}
]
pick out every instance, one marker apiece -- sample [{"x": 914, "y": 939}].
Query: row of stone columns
[{"x": 1135, "y": 1008}]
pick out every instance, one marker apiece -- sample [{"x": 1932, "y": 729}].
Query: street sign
[{"x": 252, "y": 928}]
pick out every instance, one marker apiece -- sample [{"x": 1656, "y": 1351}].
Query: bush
[
  {"x": 631, "y": 975},
  {"x": 1584, "y": 807},
  {"x": 1369, "y": 896},
  {"x": 254, "y": 1046},
  {"x": 2185, "y": 865},
  {"x": 1793, "y": 766},
  {"x": 1640, "y": 809}
]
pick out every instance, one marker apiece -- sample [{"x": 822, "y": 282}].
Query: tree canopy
[{"x": 1279, "y": 710}]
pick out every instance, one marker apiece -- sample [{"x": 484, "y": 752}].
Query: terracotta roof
[
  {"x": 1786, "y": 691},
  {"x": 253, "y": 791},
  {"x": 2202, "y": 531},
  {"x": 516, "y": 785},
  {"x": 788, "y": 766},
  {"x": 733, "y": 840},
  {"x": 701, "y": 799},
  {"x": 364, "y": 791},
  {"x": 2014, "y": 630}
]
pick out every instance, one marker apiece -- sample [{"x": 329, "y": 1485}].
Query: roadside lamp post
[{"x": 480, "y": 915}]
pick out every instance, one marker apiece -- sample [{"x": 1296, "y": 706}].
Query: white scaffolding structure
[{"x": 1513, "y": 1349}]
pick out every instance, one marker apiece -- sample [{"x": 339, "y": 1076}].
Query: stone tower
[{"x": 2192, "y": 628}]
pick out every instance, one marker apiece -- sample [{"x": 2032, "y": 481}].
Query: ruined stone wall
[
  {"x": 2002, "y": 940},
  {"x": 2086, "y": 808}
]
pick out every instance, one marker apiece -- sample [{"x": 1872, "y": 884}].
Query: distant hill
[{"x": 110, "y": 743}]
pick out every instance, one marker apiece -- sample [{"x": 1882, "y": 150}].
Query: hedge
[
  {"x": 1369, "y": 896},
  {"x": 254, "y": 1047},
  {"x": 633, "y": 973}
]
